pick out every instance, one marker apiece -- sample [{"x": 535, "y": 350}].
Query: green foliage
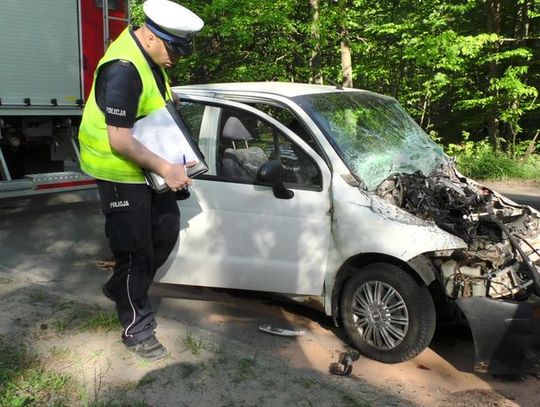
[
  {"x": 86, "y": 319},
  {"x": 102, "y": 321},
  {"x": 193, "y": 344},
  {"x": 518, "y": 96},
  {"x": 136, "y": 12},
  {"x": 479, "y": 160},
  {"x": 245, "y": 40},
  {"x": 440, "y": 58},
  {"x": 243, "y": 370},
  {"x": 25, "y": 381}
]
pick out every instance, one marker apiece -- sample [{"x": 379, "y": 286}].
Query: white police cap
[{"x": 172, "y": 22}]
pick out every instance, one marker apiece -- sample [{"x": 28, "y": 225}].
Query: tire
[{"x": 376, "y": 332}]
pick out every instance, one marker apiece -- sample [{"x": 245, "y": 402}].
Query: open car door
[{"x": 235, "y": 232}]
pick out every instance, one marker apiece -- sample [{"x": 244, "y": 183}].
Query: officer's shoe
[{"x": 149, "y": 349}]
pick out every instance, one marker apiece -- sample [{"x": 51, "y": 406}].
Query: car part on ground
[
  {"x": 344, "y": 365},
  {"x": 506, "y": 334},
  {"x": 281, "y": 331}
]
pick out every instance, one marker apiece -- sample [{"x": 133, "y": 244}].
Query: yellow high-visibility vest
[{"x": 97, "y": 158}]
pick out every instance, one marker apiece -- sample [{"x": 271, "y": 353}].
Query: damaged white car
[{"x": 337, "y": 194}]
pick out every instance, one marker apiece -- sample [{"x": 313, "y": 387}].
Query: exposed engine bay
[{"x": 502, "y": 259}]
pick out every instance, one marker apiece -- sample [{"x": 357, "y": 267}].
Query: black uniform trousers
[{"x": 142, "y": 227}]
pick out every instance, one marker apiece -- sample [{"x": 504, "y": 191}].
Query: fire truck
[{"x": 49, "y": 50}]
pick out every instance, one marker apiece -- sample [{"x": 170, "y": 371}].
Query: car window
[
  {"x": 373, "y": 133},
  {"x": 288, "y": 119},
  {"x": 192, "y": 113},
  {"x": 246, "y": 142}
]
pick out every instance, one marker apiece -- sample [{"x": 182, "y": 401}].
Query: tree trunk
[
  {"x": 521, "y": 32},
  {"x": 315, "y": 60},
  {"x": 346, "y": 58},
  {"x": 531, "y": 147},
  {"x": 346, "y": 65},
  {"x": 522, "y": 28},
  {"x": 425, "y": 112},
  {"x": 494, "y": 26}
]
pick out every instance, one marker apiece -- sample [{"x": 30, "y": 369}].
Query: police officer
[{"x": 142, "y": 226}]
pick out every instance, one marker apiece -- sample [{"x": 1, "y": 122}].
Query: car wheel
[{"x": 387, "y": 315}]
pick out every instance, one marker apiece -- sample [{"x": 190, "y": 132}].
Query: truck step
[{"x": 34, "y": 184}]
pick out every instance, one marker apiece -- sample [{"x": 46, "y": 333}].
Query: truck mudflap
[{"x": 506, "y": 334}]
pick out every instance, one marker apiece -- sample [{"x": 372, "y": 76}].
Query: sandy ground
[
  {"x": 204, "y": 368},
  {"x": 219, "y": 357},
  {"x": 528, "y": 188},
  {"x": 49, "y": 290}
]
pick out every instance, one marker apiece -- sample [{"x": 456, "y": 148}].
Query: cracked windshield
[{"x": 373, "y": 134}]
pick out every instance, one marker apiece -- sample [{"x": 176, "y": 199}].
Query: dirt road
[
  {"x": 525, "y": 192},
  {"x": 50, "y": 298}
]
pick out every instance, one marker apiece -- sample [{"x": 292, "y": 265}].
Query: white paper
[{"x": 161, "y": 135}]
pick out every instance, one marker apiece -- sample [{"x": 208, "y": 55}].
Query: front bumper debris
[{"x": 506, "y": 334}]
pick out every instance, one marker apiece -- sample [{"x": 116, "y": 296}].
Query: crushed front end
[{"x": 495, "y": 281}]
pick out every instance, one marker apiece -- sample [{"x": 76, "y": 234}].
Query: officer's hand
[{"x": 175, "y": 177}]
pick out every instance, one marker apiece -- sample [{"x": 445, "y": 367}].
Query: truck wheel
[{"x": 386, "y": 314}]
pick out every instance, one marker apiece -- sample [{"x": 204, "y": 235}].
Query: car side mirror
[{"x": 271, "y": 173}]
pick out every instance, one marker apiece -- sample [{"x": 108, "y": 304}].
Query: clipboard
[
  {"x": 165, "y": 133},
  {"x": 201, "y": 166}
]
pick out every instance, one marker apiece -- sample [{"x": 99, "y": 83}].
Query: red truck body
[
  {"x": 93, "y": 42},
  {"x": 44, "y": 85}
]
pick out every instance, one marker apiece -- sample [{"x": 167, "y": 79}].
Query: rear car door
[{"x": 234, "y": 232}]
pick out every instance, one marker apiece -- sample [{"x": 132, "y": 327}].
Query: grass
[
  {"x": 478, "y": 160},
  {"x": 102, "y": 321},
  {"x": 54, "y": 378},
  {"x": 24, "y": 380},
  {"x": 27, "y": 380},
  {"x": 499, "y": 167},
  {"x": 60, "y": 325},
  {"x": 244, "y": 370},
  {"x": 193, "y": 344},
  {"x": 64, "y": 305}
]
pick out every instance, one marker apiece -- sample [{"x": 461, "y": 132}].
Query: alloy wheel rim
[{"x": 380, "y": 315}]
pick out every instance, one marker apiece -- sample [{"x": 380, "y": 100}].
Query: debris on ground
[
  {"x": 280, "y": 331},
  {"x": 344, "y": 365}
]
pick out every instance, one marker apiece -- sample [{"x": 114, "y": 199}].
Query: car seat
[{"x": 241, "y": 161}]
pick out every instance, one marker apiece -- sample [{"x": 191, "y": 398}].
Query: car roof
[{"x": 287, "y": 89}]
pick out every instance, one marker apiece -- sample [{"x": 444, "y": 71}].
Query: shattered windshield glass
[{"x": 373, "y": 134}]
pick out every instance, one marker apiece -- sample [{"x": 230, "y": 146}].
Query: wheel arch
[{"x": 419, "y": 268}]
